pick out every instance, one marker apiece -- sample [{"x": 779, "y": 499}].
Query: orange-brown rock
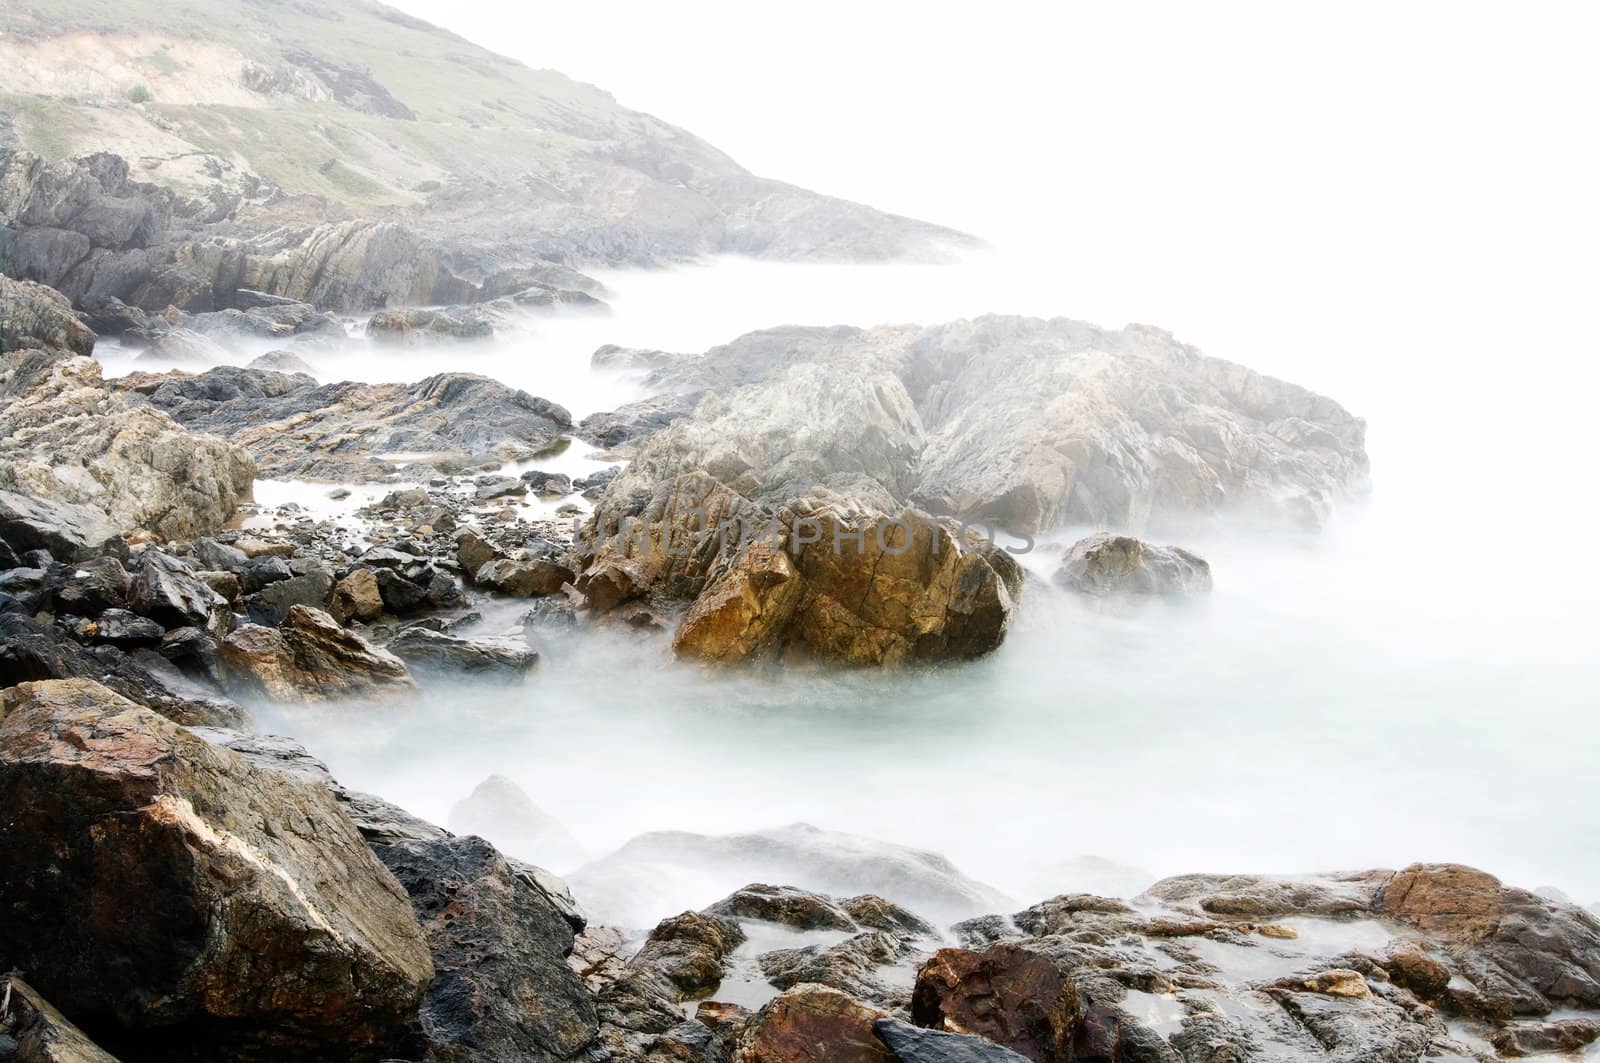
[
  {"x": 812, "y": 1024},
  {"x": 1007, "y": 994},
  {"x": 309, "y": 657},
  {"x": 1459, "y": 902}
]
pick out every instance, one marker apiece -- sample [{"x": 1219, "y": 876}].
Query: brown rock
[
  {"x": 812, "y": 1024},
  {"x": 309, "y": 657},
  {"x": 746, "y": 613},
  {"x": 1006, "y": 993},
  {"x": 157, "y": 885},
  {"x": 523, "y": 579},
  {"x": 1564, "y": 1035},
  {"x": 1457, "y": 902},
  {"x": 691, "y": 950},
  {"x": 356, "y": 597},
  {"x": 473, "y": 552},
  {"x": 42, "y": 1033},
  {"x": 1418, "y": 972}
]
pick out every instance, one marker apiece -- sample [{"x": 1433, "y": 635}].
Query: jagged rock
[
  {"x": 1007, "y": 994},
  {"x": 38, "y": 1032},
  {"x": 874, "y": 912},
  {"x": 33, "y": 315},
  {"x": 502, "y": 989},
  {"x": 356, "y": 597},
  {"x": 341, "y": 432},
  {"x": 813, "y": 1024},
  {"x": 417, "y": 325},
  {"x": 30, "y": 651},
  {"x": 911, "y": 1044},
  {"x": 167, "y": 590},
  {"x": 271, "y": 604},
  {"x": 124, "y": 629},
  {"x": 1566, "y": 1036},
  {"x": 851, "y": 966},
  {"x": 67, "y": 437},
  {"x": 251, "y": 918},
  {"x": 523, "y": 579},
  {"x": 784, "y": 905},
  {"x": 92, "y": 587},
  {"x": 68, "y": 532},
  {"x": 1103, "y": 565},
  {"x": 473, "y": 552},
  {"x": 691, "y": 950},
  {"x": 429, "y": 651},
  {"x": 309, "y": 657}
]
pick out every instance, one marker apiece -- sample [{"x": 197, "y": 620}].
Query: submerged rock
[
  {"x": 251, "y": 917},
  {"x": 429, "y": 651},
  {"x": 309, "y": 657},
  {"x": 1103, "y": 565}
]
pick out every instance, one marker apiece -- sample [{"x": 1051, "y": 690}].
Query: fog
[{"x": 1394, "y": 209}]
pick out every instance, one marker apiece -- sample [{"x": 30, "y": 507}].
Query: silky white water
[{"x": 1416, "y": 683}]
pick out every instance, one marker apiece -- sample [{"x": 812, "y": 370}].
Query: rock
[
  {"x": 30, "y": 651},
  {"x": 69, "y": 532},
  {"x": 168, "y": 591},
  {"x": 691, "y": 950},
  {"x": 473, "y": 552},
  {"x": 92, "y": 587},
  {"x": 547, "y": 298},
  {"x": 251, "y": 917},
  {"x": 416, "y": 325},
  {"x": 492, "y": 487},
  {"x": 784, "y": 905},
  {"x": 220, "y": 557},
  {"x": 272, "y": 603},
  {"x": 812, "y": 1024},
  {"x": 870, "y": 910},
  {"x": 282, "y": 362},
  {"x": 502, "y": 989},
  {"x": 356, "y": 597},
  {"x": 547, "y": 484},
  {"x": 68, "y": 437},
  {"x": 523, "y": 579},
  {"x": 340, "y": 432},
  {"x": 500, "y": 810},
  {"x": 1103, "y": 564},
  {"x": 39, "y": 1033},
  {"x": 851, "y": 966},
  {"x": 122, "y": 628},
  {"x": 630, "y": 359},
  {"x": 1006, "y": 994},
  {"x": 913, "y": 1045},
  {"x": 1526, "y": 1039},
  {"x": 310, "y": 658},
  {"x": 428, "y": 651},
  {"x": 33, "y": 315}
]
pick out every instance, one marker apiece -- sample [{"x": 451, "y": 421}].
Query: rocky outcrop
[
  {"x": 309, "y": 657},
  {"x": 33, "y": 315},
  {"x": 420, "y": 325},
  {"x": 344, "y": 432},
  {"x": 65, "y": 436},
  {"x": 1105, "y": 565},
  {"x": 251, "y": 919}
]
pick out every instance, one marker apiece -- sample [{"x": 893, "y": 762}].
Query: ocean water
[{"x": 1418, "y": 682}]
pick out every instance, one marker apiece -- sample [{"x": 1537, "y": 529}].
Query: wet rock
[
  {"x": 500, "y": 810},
  {"x": 92, "y": 587},
  {"x": 356, "y": 597},
  {"x": 1532, "y": 1038},
  {"x": 610, "y": 356},
  {"x": 252, "y": 918},
  {"x": 67, "y": 436},
  {"x": 1007, "y": 994},
  {"x": 502, "y": 989},
  {"x": 166, "y": 590},
  {"x": 427, "y": 651},
  {"x": 491, "y": 487},
  {"x": 416, "y": 325},
  {"x": 122, "y": 628},
  {"x": 30, "y": 651},
  {"x": 813, "y": 1024},
  {"x": 38, "y": 1032},
  {"x": 851, "y": 966},
  {"x": 220, "y": 557},
  {"x": 911, "y": 1044},
  {"x": 870, "y": 910},
  {"x": 547, "y": 484},
  {"x": 691, "y": 950},
  {"x": 473, "y": 552},
  {"x": 1104, "y": 565},
  {"x": 271, "y": 604},
  {"x": 34, "y": 315},
  {"x": 69, "y": 532},
  {"x": 523, "y": 579},
  {"x": 309, "y": 657},
  {"x": 784, "y": 905}
]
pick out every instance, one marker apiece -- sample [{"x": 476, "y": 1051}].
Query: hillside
[{"x": 296, "y": 112}]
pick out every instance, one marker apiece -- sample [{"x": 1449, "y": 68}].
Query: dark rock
[
  {"x": 427, "y": 651},
  {"x": 38, "y": 1033},
  {"x": 491, "y": 487},
  {"x": 547, "y": 484},
  {"x": 1526, "y": 1039},
  {"x": 252, "y": 920},
  {"x": 92, "y": 587},
  {"x": 272, "y": 603},
  {"x": 220, "y": 557},
  {"x": 911, "y": 1044},
  {"x": 122, "y": 628},
  {"x": 1103, "y": 565},
  {"x": 502, "y": 990},
  {"x": 69, "y": 532},
  {"x": 473, "y": 552},
  {"x": 167, "y": 591},
  {"x": 850, "y": 966},
  {"x": 785, "y": 905},
  {"x": 1007, "y": 994},
  {"x": 258, "y": 572}
]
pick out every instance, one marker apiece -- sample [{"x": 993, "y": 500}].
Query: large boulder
[
  {"x": 1007, "y": 994},
  {"x": 1106, "y": 565},
  {"x": 502, "y": 991},
  {"x": 65, "y": 436},
  {"x": 813, "y": 1024},
  {"x": 67, "y": 531},
  {"x": 33, "y": 315},
  {"x": 309, "y": 657},
  {"x": 292, "y": 427},
  {"x": 251, "y": 920}
]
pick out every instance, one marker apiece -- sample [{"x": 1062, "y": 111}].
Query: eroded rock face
[
  {"x": 251, "y": 919},
  {"x": 33, "y": 315},
  {"x": 502, "y": 989},
  {"x": 309, "y": 657},
  {"x": 292, "y": 427},
  {"x": 65, "y": 436},
  {"x": 1106, "y": 565},
  {"x": 1006, "y": 994}
]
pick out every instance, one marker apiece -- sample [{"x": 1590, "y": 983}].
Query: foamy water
[{"x": 1418, "y": 683}]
